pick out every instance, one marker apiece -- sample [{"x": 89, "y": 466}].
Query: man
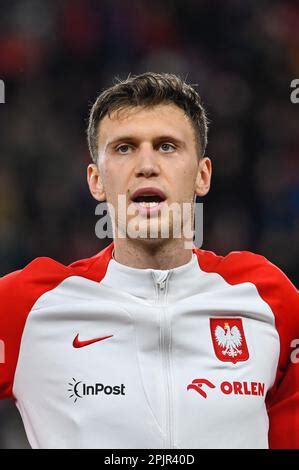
[{"x": 151, "y": 343}]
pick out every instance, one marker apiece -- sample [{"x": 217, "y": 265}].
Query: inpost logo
[{"x": 79, "y": 389}]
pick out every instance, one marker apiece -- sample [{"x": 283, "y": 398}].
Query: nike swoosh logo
[{"x": 80, "y": 344}]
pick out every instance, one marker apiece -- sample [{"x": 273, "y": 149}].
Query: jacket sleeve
[
  {"x": 11, "y": 326},
  {"x": 18, "y": 293},
  {"x": 284, "y": 409},
  {"x": 283, "y": 398}
]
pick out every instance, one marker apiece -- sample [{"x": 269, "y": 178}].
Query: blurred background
[{"x": 56, "y": 56}]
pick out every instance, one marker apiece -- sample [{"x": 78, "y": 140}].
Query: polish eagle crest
[{"x": 229, "y": 339}]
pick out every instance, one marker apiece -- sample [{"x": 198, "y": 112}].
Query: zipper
[{"x": 165, "y": 338}]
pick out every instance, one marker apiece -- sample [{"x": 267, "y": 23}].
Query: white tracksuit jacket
[{"x": 101, "y": 355}]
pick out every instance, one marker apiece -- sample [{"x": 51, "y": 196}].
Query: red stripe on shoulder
[{"x": 94, "y": 268}]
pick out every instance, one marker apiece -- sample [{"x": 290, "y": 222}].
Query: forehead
[{"x": 146, "y": 121}]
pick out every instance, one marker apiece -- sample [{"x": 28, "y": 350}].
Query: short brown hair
[{"x": 148, "y": 89}]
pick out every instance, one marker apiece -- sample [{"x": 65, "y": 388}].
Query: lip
[{"x": 149, "y": 211}]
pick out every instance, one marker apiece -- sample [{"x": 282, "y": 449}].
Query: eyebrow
[{"x": 160, "y": 138}]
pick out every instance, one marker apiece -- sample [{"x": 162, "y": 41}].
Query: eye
[
  {"x": 166, "y": 147},
  {"x": 124, "y": 149}
]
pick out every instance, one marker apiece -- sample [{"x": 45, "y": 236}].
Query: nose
[{"x": 147, "y": 163}]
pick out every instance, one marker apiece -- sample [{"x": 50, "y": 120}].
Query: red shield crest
[{"x": 229, "y": 339}]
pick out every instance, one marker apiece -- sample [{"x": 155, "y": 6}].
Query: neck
[{"x": 142, "y": 254}]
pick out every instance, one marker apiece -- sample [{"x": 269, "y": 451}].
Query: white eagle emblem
[{"x": 229, "y": 340}]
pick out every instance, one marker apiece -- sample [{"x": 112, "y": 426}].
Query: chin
[
  {"x": 154, "y": 230},
  {"x": 151, "y": 244}
]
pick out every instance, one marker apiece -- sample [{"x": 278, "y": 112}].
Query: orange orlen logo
[{"x": 229, "y": 339}]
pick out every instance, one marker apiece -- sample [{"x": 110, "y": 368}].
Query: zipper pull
[{"x": 161, "y": 279}]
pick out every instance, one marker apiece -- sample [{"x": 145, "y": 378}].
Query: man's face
[{"x": 149, "y": 155}]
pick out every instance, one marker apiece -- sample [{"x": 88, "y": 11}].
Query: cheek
[
  {"x": 184, "y": 165},
  {"x": 114, "y": 181},
  {"x": 107, "y": 182},
  {"x": 184, "y": 178}
]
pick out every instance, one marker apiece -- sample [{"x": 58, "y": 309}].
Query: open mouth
[{"x": 148, "y": 199}]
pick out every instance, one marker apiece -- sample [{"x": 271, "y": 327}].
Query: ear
[
  {"x": 203, "y": 180},
  {"x": 95, "y": 182}
]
